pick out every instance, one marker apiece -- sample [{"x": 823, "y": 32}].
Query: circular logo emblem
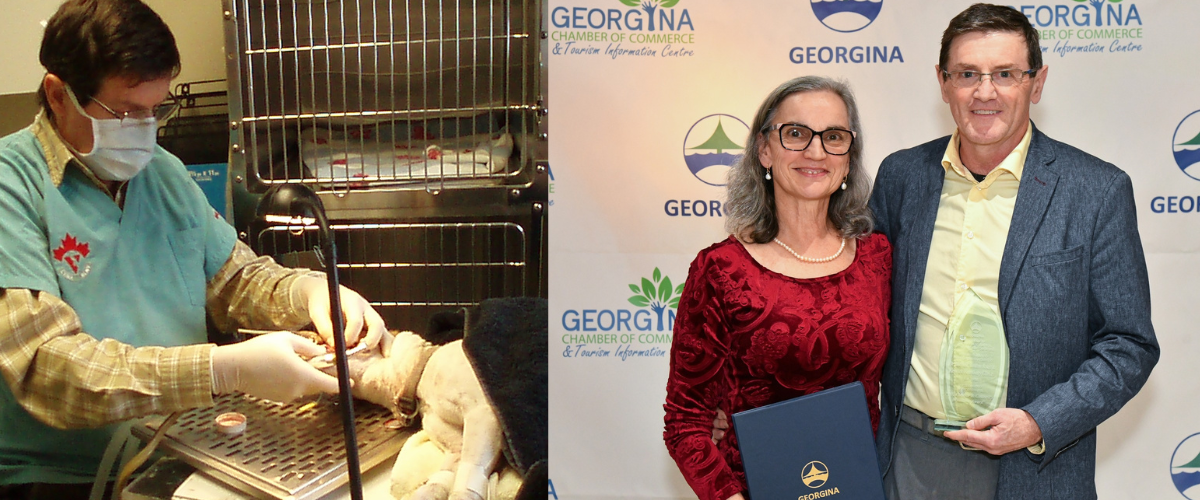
[
  {"x": 814, "y": 474},
  {"x": 1185, "y": 467},
  {"x": 713, "y": 145},
  {"x": 846, "y": 16},
  {"x": 1186, "y": 145}
]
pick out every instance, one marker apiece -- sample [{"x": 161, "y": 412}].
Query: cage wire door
[
  {"x": 417, "y": 121},
  {"x": 353, "y": 94},
  {"x": 409, "y": 271}
]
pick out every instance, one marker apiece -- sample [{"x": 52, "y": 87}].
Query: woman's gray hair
[{"x": 750, "y": 205}]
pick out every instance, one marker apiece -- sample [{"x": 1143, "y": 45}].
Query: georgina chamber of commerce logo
[
  {"x": 846, "y": 16},
  {"x": 624, "y": 333},
  {"x": 1185, "y": 148},
  {"x": 1185, "y": 467},
  {"x": 615, "y": 29},
  {"x": 1079, "y": 27}
]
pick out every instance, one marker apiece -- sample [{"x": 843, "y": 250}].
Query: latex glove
[
  {"x": 357, "y": 312},
  {"x": 270, "y": 367}
]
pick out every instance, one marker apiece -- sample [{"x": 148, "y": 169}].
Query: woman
[{"x": 796, "y": 299}]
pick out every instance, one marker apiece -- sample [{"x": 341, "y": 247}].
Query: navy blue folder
[{"x": 811, "y": 447}]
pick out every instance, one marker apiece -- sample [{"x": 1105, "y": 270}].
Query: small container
[{"x": 232, "y": 423}]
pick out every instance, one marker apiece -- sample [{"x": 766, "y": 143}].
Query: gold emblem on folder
[{"x": 814, "y": 474}]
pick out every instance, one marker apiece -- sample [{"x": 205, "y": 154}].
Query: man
[
  {"x": 1041, "y": 233},
  {"x": 110, "y": 255}
]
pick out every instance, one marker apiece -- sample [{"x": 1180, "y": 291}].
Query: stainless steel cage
[
  {"x": 420, "y": 125},
  {"x": 353, "y": 94},
  {"x": 410, "y": 271}
]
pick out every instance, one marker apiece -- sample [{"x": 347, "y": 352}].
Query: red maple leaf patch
[{"x": 70, "y": 250}]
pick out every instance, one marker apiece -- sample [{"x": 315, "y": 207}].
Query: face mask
[{"x": 120, "y": 148}]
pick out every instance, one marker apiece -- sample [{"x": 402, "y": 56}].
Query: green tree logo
[
  {"x": 650, "y": 5},
  {"x": 1097, "y": 4},
  {"x": 657, "y": 294},
  {"x": 719, "y": 141}
]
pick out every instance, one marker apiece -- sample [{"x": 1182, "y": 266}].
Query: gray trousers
[{"x": 927, "y": 466}]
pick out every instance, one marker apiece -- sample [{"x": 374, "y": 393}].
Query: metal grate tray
[{"x": 293, "y": 451}]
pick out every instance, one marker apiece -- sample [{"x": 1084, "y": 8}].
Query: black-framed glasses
[
  {"x": 1001, "y": 78},
  {"x": 160, "y": 112},
  {"x": 797, "y": 137}
]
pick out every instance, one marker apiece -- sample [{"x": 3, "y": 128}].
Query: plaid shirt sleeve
[
  {"x": 255, "y": 292},
  {"x": 68, "y": 379}
]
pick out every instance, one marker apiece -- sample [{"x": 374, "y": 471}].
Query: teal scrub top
[{"x": 137, "y": 276}]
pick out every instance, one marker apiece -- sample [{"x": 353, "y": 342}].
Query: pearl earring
[
  {"x": 843, "y": 184},
  {"x": 768, "y": 176}
]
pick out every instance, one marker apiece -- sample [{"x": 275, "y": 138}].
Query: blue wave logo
[
  {"x": 1185, "y": 467},
  {"x": 1186, "y": 144},
  {"x": 712, "y": 146},
  {"x": 846, "y": 16}
]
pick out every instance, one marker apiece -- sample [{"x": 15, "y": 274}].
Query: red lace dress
[{"x": 746, "y": 336}]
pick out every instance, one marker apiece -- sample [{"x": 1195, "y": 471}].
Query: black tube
[{"x": 329, "y": 248}]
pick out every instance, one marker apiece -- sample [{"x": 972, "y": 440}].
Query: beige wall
[
  {"x": 16, "y": 111},
  {"x": 197, "y": 25}
]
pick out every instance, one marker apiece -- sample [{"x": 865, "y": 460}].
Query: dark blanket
[{"x": 506, "y": 342}]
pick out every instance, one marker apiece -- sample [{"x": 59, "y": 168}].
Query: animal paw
[{"x": 431, "y": 491}]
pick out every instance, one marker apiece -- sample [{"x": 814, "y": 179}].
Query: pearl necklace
[{"x": 810, "y": 260}]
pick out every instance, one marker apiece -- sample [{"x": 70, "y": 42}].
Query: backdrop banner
[{"x": 650, "y": 103}]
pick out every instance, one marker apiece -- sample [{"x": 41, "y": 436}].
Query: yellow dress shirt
[{"x": 968, "y": 243}]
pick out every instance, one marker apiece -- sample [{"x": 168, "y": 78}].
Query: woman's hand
[{"x": 720, "y": 425}]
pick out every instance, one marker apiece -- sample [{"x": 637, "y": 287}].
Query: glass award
[{"x": 973, "y": 376}]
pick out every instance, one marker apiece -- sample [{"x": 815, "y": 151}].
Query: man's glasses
[
  {"x": 797, "y": 137},
  {"x": 160, "y": 112},
  {"x": 1000, "y": 78}
]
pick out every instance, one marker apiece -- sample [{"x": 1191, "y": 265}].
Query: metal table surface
[
  {"x": 198, "y": 486},
  {"x": 287, "y": 451}
]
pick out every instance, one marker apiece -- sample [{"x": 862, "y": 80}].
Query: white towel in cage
[{"x": 368, "y": 161}]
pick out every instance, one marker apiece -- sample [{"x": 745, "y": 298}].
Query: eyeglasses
[
  {"x": 159, "y": 112},
  {"x": 797, "y": 137},
  {"x": 1000, "y": 78}
]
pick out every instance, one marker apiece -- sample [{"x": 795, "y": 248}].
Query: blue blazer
[{"x": 1074, "y": 297}]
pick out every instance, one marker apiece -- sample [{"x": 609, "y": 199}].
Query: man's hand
[
  {"x": 270, "y": 367},
  {"x": 357, "y": 311},
  {"x": 1001, "y": 431},
  {"x": 720, "y": 425}
]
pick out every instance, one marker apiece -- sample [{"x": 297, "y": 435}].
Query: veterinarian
[
  {"x": 795, "y": 300},
  {"x": 109, "y": 257},
  {"x": 1036, "y": 231}
]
